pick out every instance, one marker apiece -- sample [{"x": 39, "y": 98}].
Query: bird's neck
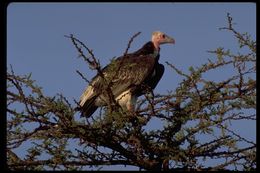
[
  {"x": 156, "y": 46},
  {"x": 156, "y": 49},
  {"x": 148, "y": 49}
]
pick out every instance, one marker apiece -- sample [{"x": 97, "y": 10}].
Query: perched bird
[{"x": 128, "y": 76}]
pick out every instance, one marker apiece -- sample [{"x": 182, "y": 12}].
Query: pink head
[{"x": 159, "y": 38}]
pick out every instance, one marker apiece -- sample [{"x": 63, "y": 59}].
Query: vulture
[{"x": 128, "y": 76}]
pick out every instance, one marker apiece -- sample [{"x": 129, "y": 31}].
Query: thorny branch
[
  {"x": 130, "y": 42},
  {"x": 244, "y": 39},
  {"x": 94, "y": 64}
]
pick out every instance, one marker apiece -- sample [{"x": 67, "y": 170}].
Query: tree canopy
[{"x": 197, "y": 116}]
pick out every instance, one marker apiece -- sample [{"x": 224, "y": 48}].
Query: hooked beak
[{"x": 168, "y": 39}]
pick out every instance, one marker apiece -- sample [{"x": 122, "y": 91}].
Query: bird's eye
[{"x": 163, "y": 36}]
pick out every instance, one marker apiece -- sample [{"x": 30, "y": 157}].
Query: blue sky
[{"x": 36, "y": 42}]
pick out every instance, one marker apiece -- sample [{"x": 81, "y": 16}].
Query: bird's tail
[
  {"x": 88, "y": 108},
  {"x": 87, "y": 102}
]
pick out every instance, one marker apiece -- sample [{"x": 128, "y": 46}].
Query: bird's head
[{"x": 159, "y": 38}]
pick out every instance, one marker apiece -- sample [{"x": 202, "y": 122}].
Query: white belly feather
[{"x": 126, "y": 99}]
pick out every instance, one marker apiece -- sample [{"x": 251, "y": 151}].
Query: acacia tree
[{"x": 197, "y": 109}]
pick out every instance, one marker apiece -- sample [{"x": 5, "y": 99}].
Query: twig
[
  {"x": 241, "y": 37},
  {"x": 177, "y": 70},
  {"x": 83, "y": 77},
  {"x": 94, "y": 63},
  {"x": 130, "y": 41}
]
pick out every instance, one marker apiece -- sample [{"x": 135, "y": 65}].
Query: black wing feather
[
  {"x": 124, "y": 73},
  {"x": 89, "y": 107}
]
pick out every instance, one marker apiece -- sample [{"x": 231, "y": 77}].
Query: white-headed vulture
[{"x": 129, "y": 76}]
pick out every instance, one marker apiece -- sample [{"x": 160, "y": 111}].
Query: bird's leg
[
  {"x": 131, "y": 104},
  {"x": 132, "y": 114},
  {"x": 131, "y": 108}
]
